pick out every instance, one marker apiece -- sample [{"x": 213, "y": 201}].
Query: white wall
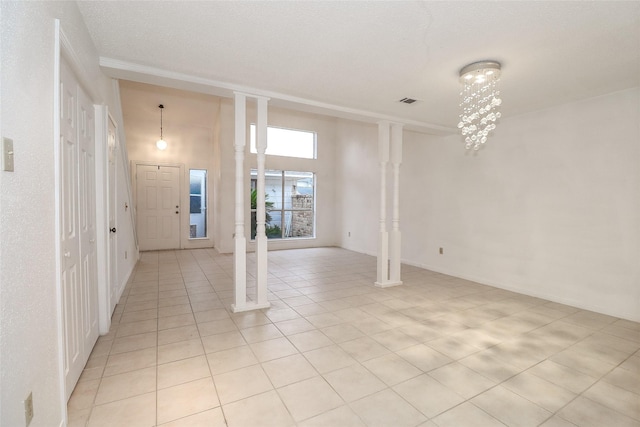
[
  {"x": 323, "y": 167},
  {"x": 551, "y": 207},
  {"x": 189, "y": 144},
  {"x": 215, "y": 178},
  {"x": 357, "y": 186},
  {"x": 28, "y": 308}
]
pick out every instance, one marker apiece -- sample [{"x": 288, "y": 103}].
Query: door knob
[
  {"x": 92, "y": 241},
  {"x": 177, "y": 212},
  {"x": 113, "y": 230}
]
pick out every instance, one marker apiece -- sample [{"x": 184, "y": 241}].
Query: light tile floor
[{"x": 333, "y": 350}]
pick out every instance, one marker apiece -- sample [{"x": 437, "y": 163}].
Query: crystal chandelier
[{"x": 479, "y": 102}]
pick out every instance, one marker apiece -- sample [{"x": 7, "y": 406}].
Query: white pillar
[
  {"x": 395, "y": 236},
  {"x": 383, "y": 238},
  {"x": 261, "y": 236},
  {"x": 240, "y": 249}
]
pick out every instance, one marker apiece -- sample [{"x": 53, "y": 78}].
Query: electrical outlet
[
  {"x": 441, "y": 251},
  {"x": 28, "y": 409},
  {"x": 349, "y": 234}
]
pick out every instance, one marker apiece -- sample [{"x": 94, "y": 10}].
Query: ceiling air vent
[{"x": 408, "y": 100}]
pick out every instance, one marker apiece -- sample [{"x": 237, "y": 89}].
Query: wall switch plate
[
  {"x": 441, "y": 251},
  {"x": 28, "y": 409},
  {"x": 7, "y": 154}
]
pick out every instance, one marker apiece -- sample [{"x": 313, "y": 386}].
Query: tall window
[
  {"x": 287, "y": 142},
  {"x": 290, "y": 200},
  {"x": 197, "y": 203}
]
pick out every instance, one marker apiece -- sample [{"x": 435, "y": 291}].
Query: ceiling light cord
[
  {"x": 161, "y": 108},
  {"x": 161, "y": 143}
]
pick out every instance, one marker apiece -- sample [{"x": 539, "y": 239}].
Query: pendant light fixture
[
  {"x": 479, "y": 102},
  {"x": 161, "y": 143}
]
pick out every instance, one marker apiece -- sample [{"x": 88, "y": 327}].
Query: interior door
[
  {"x": 69, "y": 229},
  {"x": 87, "y": 206},
  {"x": 77, "y": 226},
  {"x": 112, "y": 144},
  {"x": 158, "y": 207}
]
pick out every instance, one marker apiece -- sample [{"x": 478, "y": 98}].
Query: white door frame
[
  {"x": 64, "y": 49},
  {"x": 181, "y": 184},
  {"x": 102, "y": 220},
  {"x": 113, "y": 287}
]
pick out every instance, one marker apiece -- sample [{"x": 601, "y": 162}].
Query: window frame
[
  {"x": 253, "y": 142},
  {"x": 283, "y": 210},
  {"x": 204, "y": 202}
]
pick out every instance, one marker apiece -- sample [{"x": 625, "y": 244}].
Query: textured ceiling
[{"x": 368, "y": 55}]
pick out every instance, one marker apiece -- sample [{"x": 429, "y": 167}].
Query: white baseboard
[
  {"x": 623, "y": 314},
  {"x": 633, "y": 316}
]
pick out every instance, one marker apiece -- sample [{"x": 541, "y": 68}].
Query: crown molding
[{"x": 144, "y": 74}]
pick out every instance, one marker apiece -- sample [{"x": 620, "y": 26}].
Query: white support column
[
  {"x": 395, "y": 236},
  {"x": 240, "y": 249},
  {"x": 383, "y": 239},
  {"x": 261, "y": 236}
]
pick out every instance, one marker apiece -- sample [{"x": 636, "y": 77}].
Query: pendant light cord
[{"x": 161, "y": 108}]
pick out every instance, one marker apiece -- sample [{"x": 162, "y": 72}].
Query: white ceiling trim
[{"x": 144, "y": 74}]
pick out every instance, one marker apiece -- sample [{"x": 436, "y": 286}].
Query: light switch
[{"x": 7, "y": 154}]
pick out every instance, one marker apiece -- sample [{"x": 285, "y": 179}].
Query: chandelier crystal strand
[{"x": 479, "y": 102}]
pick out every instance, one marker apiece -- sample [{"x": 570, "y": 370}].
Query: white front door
[
  {"x": 158, "y": 207},
  {"x": 77, "y": 226}
]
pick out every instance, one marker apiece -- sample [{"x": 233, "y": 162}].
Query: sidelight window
[{"x": 197, "y": 203}]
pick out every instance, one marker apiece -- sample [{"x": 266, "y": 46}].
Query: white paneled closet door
[
  {"x": 78, "y": 226},
  {"x": 87, "y": 204}
]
